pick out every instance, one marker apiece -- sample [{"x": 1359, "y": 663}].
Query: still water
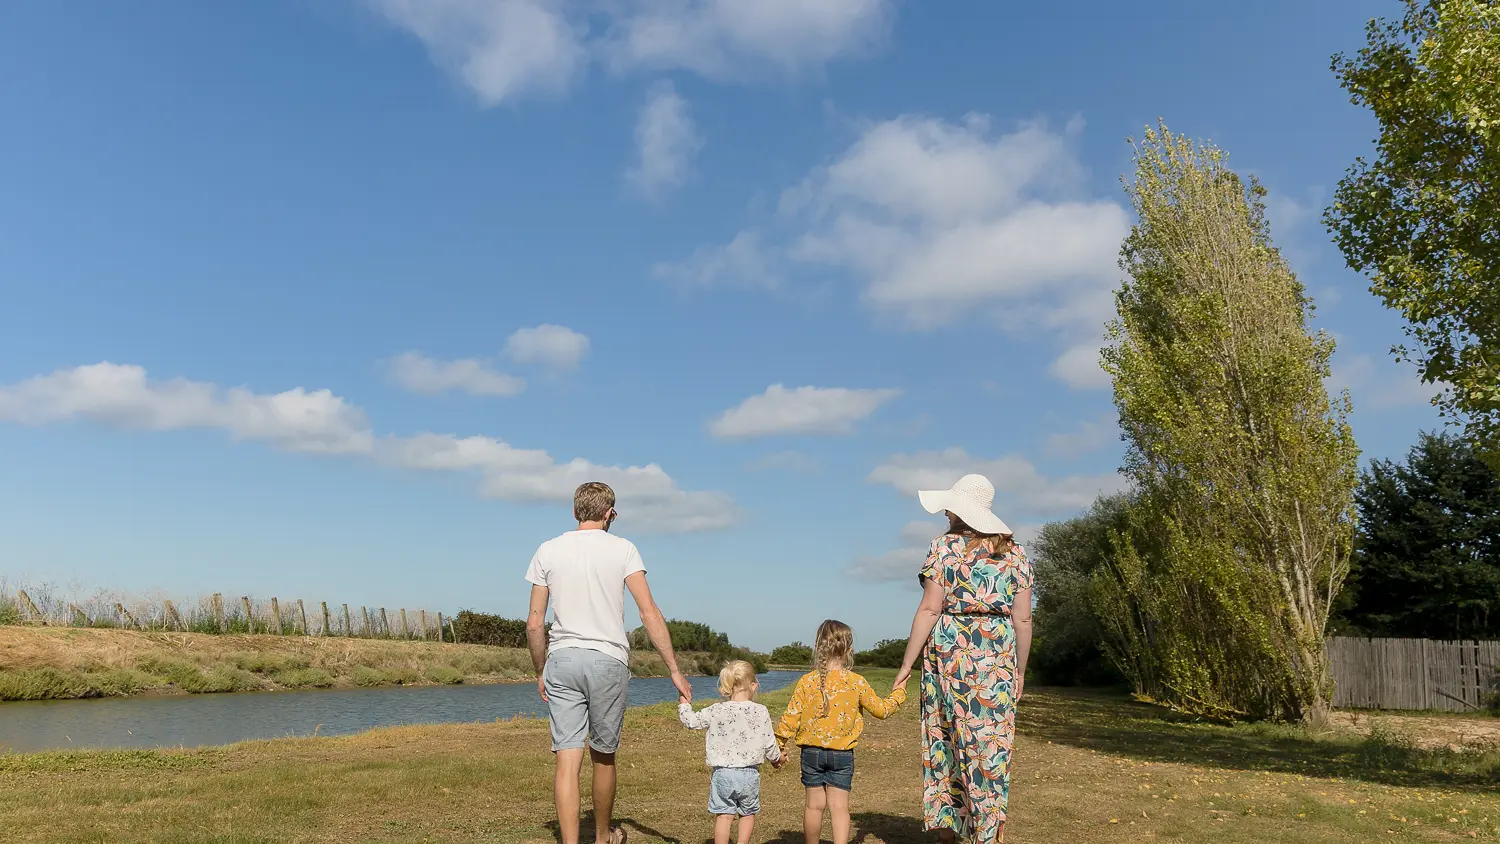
[{"x": 189, "y": 721}]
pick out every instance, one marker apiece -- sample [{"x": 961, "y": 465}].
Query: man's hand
[
  {"x": 684, "y": 699},
  {"x": 683, "y": 688},
  {"x": 541, "y": 688}
]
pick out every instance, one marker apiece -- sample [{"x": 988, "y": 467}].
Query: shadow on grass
[
  {"x": 1112, "y": 723},
  {"x": 634, "y": 830},
  {"x": 870, "y": 827}
]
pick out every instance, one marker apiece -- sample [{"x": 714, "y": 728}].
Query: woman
[{"x": 972, "y": 631}]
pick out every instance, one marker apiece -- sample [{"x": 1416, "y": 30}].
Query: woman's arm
[
  {"x": 1021, "y": 618},
  {"x": 928, "y": 612}
]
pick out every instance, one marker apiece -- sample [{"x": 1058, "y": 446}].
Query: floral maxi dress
[{"x": 968, "y": 678}]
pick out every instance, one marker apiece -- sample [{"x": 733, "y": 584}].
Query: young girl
[
  {"x": 739, "y": 739},
  {"x": 824, "y": 720}
]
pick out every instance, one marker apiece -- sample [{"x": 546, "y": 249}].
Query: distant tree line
[{"x": 712, "y": 648}]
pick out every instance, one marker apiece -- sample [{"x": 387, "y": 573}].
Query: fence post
[
  {"x": 327, "y": 627},
  {"x": 125, "y": 616},
  {"x": 276, "y": 615},
  {"x": 364, "y": 613},
  {"x": 217, "y": 602},
  {"x": 31, "y": 610},
  {"x": 74, "y": 613},
  {"x": 249, "y": 614},
  {"x": 302, "y": 616},
  {"x": 385, "y": 624},
  {"x": 440, "y": 628},
  {"x": 170, "y": 616},
  {"x": 422, "y": 619},
  {"x": 452, "y": 631},
  {"x": 348, "y": 625},
  {"x": 405, "y": 632}
]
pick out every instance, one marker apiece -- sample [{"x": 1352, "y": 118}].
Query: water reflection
[{"x": 189, "y": 721}]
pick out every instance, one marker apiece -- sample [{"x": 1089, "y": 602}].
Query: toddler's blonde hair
[{"x": 737, "y": 676}]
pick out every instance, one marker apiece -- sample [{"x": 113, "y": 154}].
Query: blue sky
[{"x": 339, "y": 299}]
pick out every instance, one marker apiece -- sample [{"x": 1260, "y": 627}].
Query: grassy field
[
  {"x": 1090, "y": 768},
  {"x": 50, "y": 663}
]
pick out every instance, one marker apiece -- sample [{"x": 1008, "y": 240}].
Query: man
[{"x": 584, "y": 672}]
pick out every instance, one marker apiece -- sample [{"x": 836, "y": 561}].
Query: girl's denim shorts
[{"x": 831, "y": 768}]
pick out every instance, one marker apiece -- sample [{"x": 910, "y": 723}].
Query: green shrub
[
  {"x": 795, "y": 654},
  {"x": 402, "y": 675},
  {"x": 887, "y": 653},
  {"x": 184, "y": 675},
  {"x": 10, "y": 611},
  {"x": 305, "y": 678},
  {"x": 366, "y": 677},
  {"x": 267, "y": 663},
  {"x": 221, "y": 679},
  {"x": 445, "y": 674},
  {"x": 44, "y": 684},
  {"x": 475, "y": 628},
  {"x": 118, "y": 682}
]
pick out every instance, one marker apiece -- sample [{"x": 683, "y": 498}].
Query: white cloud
[
  {"x": 802, "y": 410},
  {"x": 666, "y": 143},
  {"x": 939, "y": 220},
  {"x": 786, "y": 461},
  {"x": 421, "y": 374},
  {"x": 555, "y": 346},
  {"x": 903, "y": 562},
  {"x": 1386, "y": 384},
  {"x": 1089, "y": 436},
  {"x": 731, "y": 39},
  {"x": 648, "y": 497},
  {"x": 123, "y": 396},
  {"x": 1018, "y": 484},
  {"x": 742, "y": 262},
  {"x": 503, "y": 49},
  {"x": 1079, "y": 367}
]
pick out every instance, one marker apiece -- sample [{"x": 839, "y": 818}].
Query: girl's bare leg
[
  {"x": 722, "y": 823},
  {"x": 812, "y": 817},
  {"x": 838, "y": 810},
  {"x": 747, "y": 828}
]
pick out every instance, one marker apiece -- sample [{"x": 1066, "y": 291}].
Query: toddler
[
  {"x": 824, "y": 720},
  {"x": 739, "y": 739}
]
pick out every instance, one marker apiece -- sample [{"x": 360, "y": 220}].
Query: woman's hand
[{"x": 902, "y": 676}]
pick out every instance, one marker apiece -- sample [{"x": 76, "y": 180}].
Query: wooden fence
[
  {"x": 294, "y": 618},
  {"x": 1413, "y": 673}
]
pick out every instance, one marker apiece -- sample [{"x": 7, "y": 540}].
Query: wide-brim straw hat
[{"x": 970, "y": 499}]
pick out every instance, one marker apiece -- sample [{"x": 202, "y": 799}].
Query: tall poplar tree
[{"x": 1239, "y": 539}]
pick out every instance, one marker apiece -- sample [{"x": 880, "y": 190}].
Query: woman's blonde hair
[
  {"x": 835, "y": 643},
  {"x": 997, "y": 544},
  {"x": 737, "y": 676}
]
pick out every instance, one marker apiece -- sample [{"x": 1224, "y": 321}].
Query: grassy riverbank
[
  {"x": 1090, "y": 768},
  {"x": 51, "y": 663}
]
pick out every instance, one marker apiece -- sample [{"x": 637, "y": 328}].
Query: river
[{"x": 194, "y": 720}]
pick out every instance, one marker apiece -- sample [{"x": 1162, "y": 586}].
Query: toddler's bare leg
[
  {"x": 747, "y": 828},
  {"x": 838, "y": 811},
  {"x": 722, "y": 824}
]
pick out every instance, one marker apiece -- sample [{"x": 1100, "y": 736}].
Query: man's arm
[
  {"x": 536, "y": 634},
  {"x": 656, "y": 627}
]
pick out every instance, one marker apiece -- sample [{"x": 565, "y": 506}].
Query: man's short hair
[{"x": 592, "y": 502}]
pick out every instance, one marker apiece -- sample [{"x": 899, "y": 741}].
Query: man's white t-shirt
[{"x": 584, "y": 572}]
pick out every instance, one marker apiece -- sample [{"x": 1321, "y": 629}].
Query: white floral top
[{"x": 739, "y": 733}]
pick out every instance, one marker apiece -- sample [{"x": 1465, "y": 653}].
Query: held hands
[
  {"x": 684, "y": 690},
  {"x": 901, "y": 677}
]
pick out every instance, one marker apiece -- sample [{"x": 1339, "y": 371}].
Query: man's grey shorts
[
  {"x": 586, "y": 698},
  {"x": 734, "y": 791}
]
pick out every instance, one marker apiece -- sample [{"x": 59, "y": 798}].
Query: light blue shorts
[
  {"x": 585, "y": 699},
  {"x": 734, "y": 791}
]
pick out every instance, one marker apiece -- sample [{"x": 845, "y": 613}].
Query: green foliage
[
  {"x": 444, "y": 674},
  {"x": 305, "y": 678},
  {"x": 473, "y": 628},
  {"x": 266, "y": 663},
  {"x": 43, "y": 684},
  {"x": 117, "y": 682},
  {"x": 1427, "y": 557},
  {"x": 1068, "y": 648},
  {"x": 887, "y": 653},
  {"x": 1421, "y": 218},
  {"x": 796, "y": 654},
  {"x": 693, "y": 637},
  {"x": 1218, "y": 596},
  {"x": 10, "y": 611}
]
